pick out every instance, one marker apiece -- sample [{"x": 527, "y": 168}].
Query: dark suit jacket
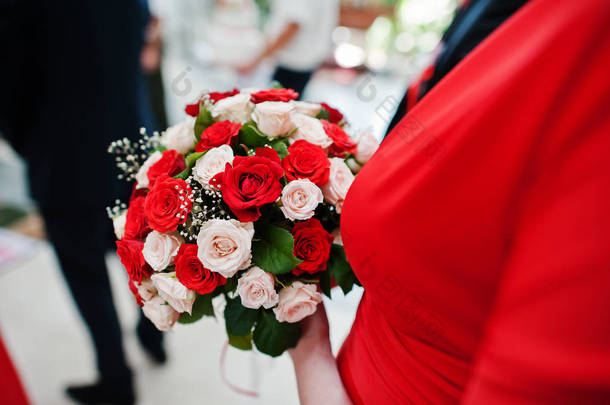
[{"x": 68, "y": 87}]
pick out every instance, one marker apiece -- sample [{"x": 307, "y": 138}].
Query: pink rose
[
  {"x": 367, "y": 146},
  {"x": 159, "y": 313},
  {"x": 147, "y": 289},
  {"x": 309, "y": 129},
  {"x": 297, "y": 302},
  {"x": 273, "y": 118},
  {"x": 339, "y": 182},
  {"x": 171, "y": 290},
  {"x": 300, "y": 199},
  {"x": 160, "y": 249},
  {"x": 256, "y": 289}
]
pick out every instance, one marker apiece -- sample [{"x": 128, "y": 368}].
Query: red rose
[
  {"x": 136, "y": 294},
  {"x": 274, "y": 95},
  {"x": 342, "y": 142},
  {"x": 167, "y": 204},
  {"x": 192, "y": 109},
  {"x": 130, "y": 253},
  {"x": 136, "y": 226},
  {"x": 312, "y": 245},
  {"x": 250, "y": 183},
  {"x": 215, "y": 95},
  {"x": 219, "y": 133},
  {"x": 170, "y": 164},
  {"x": 191, "y": 273},
  {"x": 334, "y": 115},
  {"x": 306, "y": 161}
]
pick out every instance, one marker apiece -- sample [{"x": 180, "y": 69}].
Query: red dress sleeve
[{"x": 546, "y": 341}]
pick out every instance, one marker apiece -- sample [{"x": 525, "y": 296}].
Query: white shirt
[{"x": 312, "y": 43}]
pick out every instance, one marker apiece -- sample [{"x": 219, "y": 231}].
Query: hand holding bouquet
[{"x": 242, "y": 200}]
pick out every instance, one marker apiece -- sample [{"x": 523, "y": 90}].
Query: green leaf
[
  {"x": 276, "y": 85},
  {"x": 272, "y": 337},
  {"x": 323, "y": 114},
  {"x": 340, "y": 270},
  {"x": 240, "y": 342},
  {"x": 280, "y": 147},
  {"x": 273, "y": 251},
  {"x": 202, "y": 306},
  {"x": 204, "y": 120},
  {"x": 190, "y": 162},
  {"x": 239, "y": 319},
  {"x": 325, "y": 282},
  {"x": 250, "y": 135}
]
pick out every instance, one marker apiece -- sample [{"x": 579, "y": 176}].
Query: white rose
[
  {"x": 273, "y": 118},
  {"x": 309, "y": 129},
  {"x": 147, "y": 289},
  {"x": 180, "y": 137},
  {"x": 142, "y": 174},
  {"x": 160, "y": 313},
  {"x": 171, "y": 290},
  {"x": 160, "y": 249},
  {"x": 297, "y": 302},
  {"x": 303, "y": 107},
  {"x": 237, "y": 108},
  {"x": 118, "y": 223},
  {"x": 339, "y": 182},
  {"x": 367, "y": 146},
  {"x": 212, "y": 163},
  {"x": 300, "y": 199},
  {"x": 256, "y": 289},
  {"x": 224, "y": 246}
]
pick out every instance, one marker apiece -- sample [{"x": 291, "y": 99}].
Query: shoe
[
  {"x": 152, "y": 341},
  {"x": 100, "y": 393}
]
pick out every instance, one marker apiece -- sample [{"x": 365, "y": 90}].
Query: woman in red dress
[{"x": 485, "y": 248}]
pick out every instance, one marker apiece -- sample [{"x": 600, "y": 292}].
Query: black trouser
[
  {"x": 292, "y": 79},
  {"x": 81, "y": 258}
]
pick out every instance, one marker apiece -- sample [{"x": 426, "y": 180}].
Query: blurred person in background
[
  {"x": 299, "y": 38},
  {"x": 69, "y": 85}
]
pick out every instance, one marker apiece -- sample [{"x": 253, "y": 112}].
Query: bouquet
[{"x": 241, "y": 200}]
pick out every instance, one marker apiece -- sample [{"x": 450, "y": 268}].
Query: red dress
[{"x": 481, "y": 228}]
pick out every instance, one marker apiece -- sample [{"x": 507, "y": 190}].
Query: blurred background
[{"x": 376, "y": 48}]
